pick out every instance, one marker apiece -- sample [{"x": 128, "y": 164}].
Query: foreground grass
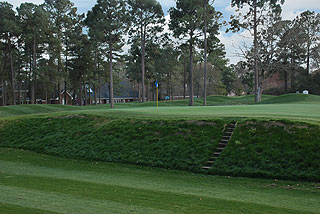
[{"x": 33, "y": 183}]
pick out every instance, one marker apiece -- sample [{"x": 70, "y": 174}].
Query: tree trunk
[
  {"x": 65, "y": 81},
  {"x": 19, "y": 93},
  {"x": 34, "y": 64},
  {"x": 184, "y": 77},
  {"x": 256, "y": 66},
  {"x": 292, "y": 73},
  {"x": 95, "y": 93},
  {"x": 191, "y": 101},
  {"x": 59, "y": 73},
  {"x": 85, "y": 93},
  {"x": 12, "y": 74},
  {"x": 58, "y": 93},
  {"x": 99, "y": 74},
  {"x": 80, "y": 91},
  {"x": 25, "y": 90},
  {"x": 139, "y": 92},
  {"x": 205, "y": 56},
  {"x": 3, "y": 91},
  {"x": 95, "y": 75},
  {"x": 308, "y": 64},
  {"x": 55, "y": 92},
  {"x": 65, "y": 93},
  {"x": 147, "y": 90},
  {"x": 47, "y": 92},
  {"x": 111, "y": 76},
  {"x": 99, "y": 88},
  {"x": 285, "y": 81},
  {"x": 143, "y": 44},
  {"x": 89, "y": 89}
]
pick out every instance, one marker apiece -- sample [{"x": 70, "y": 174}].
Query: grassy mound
[
  {"x": 292, "y": 98},
  {"x": 6, "y": 111},
  {"x": 174, "y": 144},
  {"x": 273, "y": 149}
]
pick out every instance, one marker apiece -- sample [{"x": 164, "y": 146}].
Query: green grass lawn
[
  {"x": 277, "y": 138},
  {"x": 41, "y": 109},
  {"x": 297, "y": 107},
  {"x": 35, "y": 183}
]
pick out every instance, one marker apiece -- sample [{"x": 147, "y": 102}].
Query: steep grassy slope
[
  {"x": 274, "y": 149},
  {"x": 33, "y": 183},
  {"x": 174, "y": 144},
  {"x": 281, "y": 149}
]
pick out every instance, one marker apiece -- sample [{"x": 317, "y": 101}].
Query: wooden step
[
  {"x": 226, "y": 138},
  {"x": 220, "y": 149},
  {"x": 230, "y": 130},
  {"x": 227, "y": 133},
  {"x": 216, "y": 154},
  {"x": 206, "y": 167},
  {"x": 213, "y": 158},
  {"x": 232, "y": 126},
  {"x": 221, "y": 146}
]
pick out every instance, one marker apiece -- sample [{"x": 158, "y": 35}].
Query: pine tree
[
  {"x": 147, "y": 20},
  {"x": 251, "y": 20},
  {"x": 110, "y": 19}
]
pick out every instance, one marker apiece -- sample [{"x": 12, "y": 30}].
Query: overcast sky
[{"x": 291, "y": 9}]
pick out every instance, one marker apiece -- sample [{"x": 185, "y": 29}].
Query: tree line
[{"x": 50, "y": 48}]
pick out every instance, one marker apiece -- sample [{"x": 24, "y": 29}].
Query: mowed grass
[
  {"x": 40, "y": 109},
  {"x": 298, "y": 107},
  {"x": 34, "y": 183}
]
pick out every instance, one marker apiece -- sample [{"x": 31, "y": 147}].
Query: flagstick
[{"x": 157, "y": 99}]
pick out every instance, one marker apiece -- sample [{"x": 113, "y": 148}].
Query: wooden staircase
[{"x": 223, "y": 143}]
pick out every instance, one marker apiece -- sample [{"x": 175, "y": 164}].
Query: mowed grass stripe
[
  {"x": 146, "y": 183},
  {"x": 66, "y": 203},
  {"x": 120, "y": 199},
  {"x": 301, "y": 112},
  {"x": 12, "y": 209},
  {"x": 235, "y": 189}
]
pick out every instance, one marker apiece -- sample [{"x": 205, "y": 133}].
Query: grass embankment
[
  {"x": 33, "y": 183},
  {"x": 282, "y": 149},
  {"x": 272, "y": 149},
  {"x": 174, "y": 144}
]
